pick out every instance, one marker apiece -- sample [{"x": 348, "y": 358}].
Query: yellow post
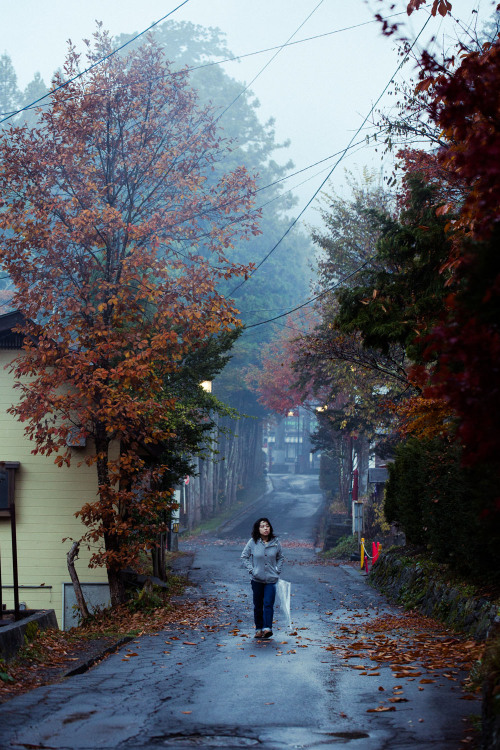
[{"x": 362, "y": 552}]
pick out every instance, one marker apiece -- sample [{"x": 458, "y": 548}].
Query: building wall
[{"x": 47, "y": 498}]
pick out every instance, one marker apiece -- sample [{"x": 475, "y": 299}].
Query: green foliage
[
  {"x": 33, "y": 91},
  {"x": 345, "y": 547},
  {"x": 192, "y": 420},
  {"x": 4, "y": 675},
  {"x": 405, "y": 489},
  {"x": 329, "y": 474},
  {"x": 9, "y": 93},
  {"x": 400, "y": 295},
  {"x": 12, "y": 99},
  {"x": 355, "y": 382},
  {"x": 147, "y": 599},
  {"x": 438, "y": 503},
  {"x": 31, "y": 632}
]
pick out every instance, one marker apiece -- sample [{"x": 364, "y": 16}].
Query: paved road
[{"x": 228, "y": 691}]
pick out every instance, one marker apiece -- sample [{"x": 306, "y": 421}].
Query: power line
[
  {"x": 294, "y": 222},
  {"x": 94, "y": 65},
  {"x": 269, "y": 62},
  {"x": 256, "y": 209},
  {"x": 312, "y": 299},
  {"x": 183, "y": 71}
]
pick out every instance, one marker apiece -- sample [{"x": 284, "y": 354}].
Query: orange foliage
[{"x": 116, "y": 235}]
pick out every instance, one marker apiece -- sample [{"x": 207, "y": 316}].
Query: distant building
[{"x": 287, "y": 443}]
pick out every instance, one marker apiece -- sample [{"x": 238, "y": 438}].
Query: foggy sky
[{"x": 319, "y": 92}]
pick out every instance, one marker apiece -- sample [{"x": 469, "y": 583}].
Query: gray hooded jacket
[{"x": 263, "y": 561}]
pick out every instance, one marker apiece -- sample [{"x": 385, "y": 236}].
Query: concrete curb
[
  {"x": 89, "y": 662},
  {"x": 181, "y": 565}
]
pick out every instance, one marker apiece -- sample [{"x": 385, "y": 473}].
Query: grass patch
[{"x": 345, "y": 547}]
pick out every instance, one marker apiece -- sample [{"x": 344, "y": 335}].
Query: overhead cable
[
  {"x": 312, "y": 299},
  {"x": 344, "y": 152},
  {"x": 243, "y": 91},
  {"x": 234, "y": 58},
  {"x": 94, "y": 65}
]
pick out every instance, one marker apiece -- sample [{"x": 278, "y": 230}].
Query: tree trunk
[
  {"x": 80, "y": 600},
  {"x": 158, "y": 558},
  {"x": 117, "y": 590},
  {"x": 116, "y": 583}
]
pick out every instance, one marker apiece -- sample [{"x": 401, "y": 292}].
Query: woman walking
[{"x": 263, "y": 558}]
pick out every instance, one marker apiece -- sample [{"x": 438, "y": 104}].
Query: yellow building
[{"x": 46, "y": 499}]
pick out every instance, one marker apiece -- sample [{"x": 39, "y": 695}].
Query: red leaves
[
  {"x": 275, "y": 379},
  {"x": 443, "y": 7},
  {"x": 416, "y": 643}
]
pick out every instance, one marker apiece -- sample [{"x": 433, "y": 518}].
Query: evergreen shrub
[{"x": 439, "y": 504}]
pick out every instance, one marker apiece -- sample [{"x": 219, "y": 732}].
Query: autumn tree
[
  {"x": 466, "y": 339},
  {"x": 117, "y": 241}
]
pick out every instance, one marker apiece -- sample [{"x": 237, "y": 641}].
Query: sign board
[
  {"x": 175, "y": 513},
  {"x": 357, "y": 517}
]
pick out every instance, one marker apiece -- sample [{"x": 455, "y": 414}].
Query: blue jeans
[{"x": 264, "y": 595}]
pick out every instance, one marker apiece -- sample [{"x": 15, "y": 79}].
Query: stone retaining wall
[
  {"x": 416, "y": 585},
  {"x": 412, "y": 583},
  {"x": 12, "y": 636}
]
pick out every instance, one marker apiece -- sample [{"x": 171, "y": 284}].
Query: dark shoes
[
  {"x": 258, "y": 634},
  {"x": 267, "y": 633}
]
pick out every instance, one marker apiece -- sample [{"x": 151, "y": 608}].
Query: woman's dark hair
[{"x": 256, "y": 532}]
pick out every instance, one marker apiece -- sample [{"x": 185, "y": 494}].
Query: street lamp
[{"x": 207, "y": 386}]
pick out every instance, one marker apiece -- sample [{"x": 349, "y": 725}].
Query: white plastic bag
[{"x": 283, "y": 589}]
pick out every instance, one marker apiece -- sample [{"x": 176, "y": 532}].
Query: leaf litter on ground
[
  {"x": 417, "y": 645},
  {"x": 53, "y": 652}
]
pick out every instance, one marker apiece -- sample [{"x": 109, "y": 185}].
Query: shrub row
[{"x": 440, "y": 504}]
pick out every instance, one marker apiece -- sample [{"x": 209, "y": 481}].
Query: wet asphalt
[{"x": 217, "y": 687}]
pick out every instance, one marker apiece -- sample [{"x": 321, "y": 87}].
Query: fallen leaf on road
[
  {"x": 186, "y": 712},
  {"x": 426, "y": 682},
  {"x": 380, "y": 709},
  {"x": 189, "y": 643}
]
